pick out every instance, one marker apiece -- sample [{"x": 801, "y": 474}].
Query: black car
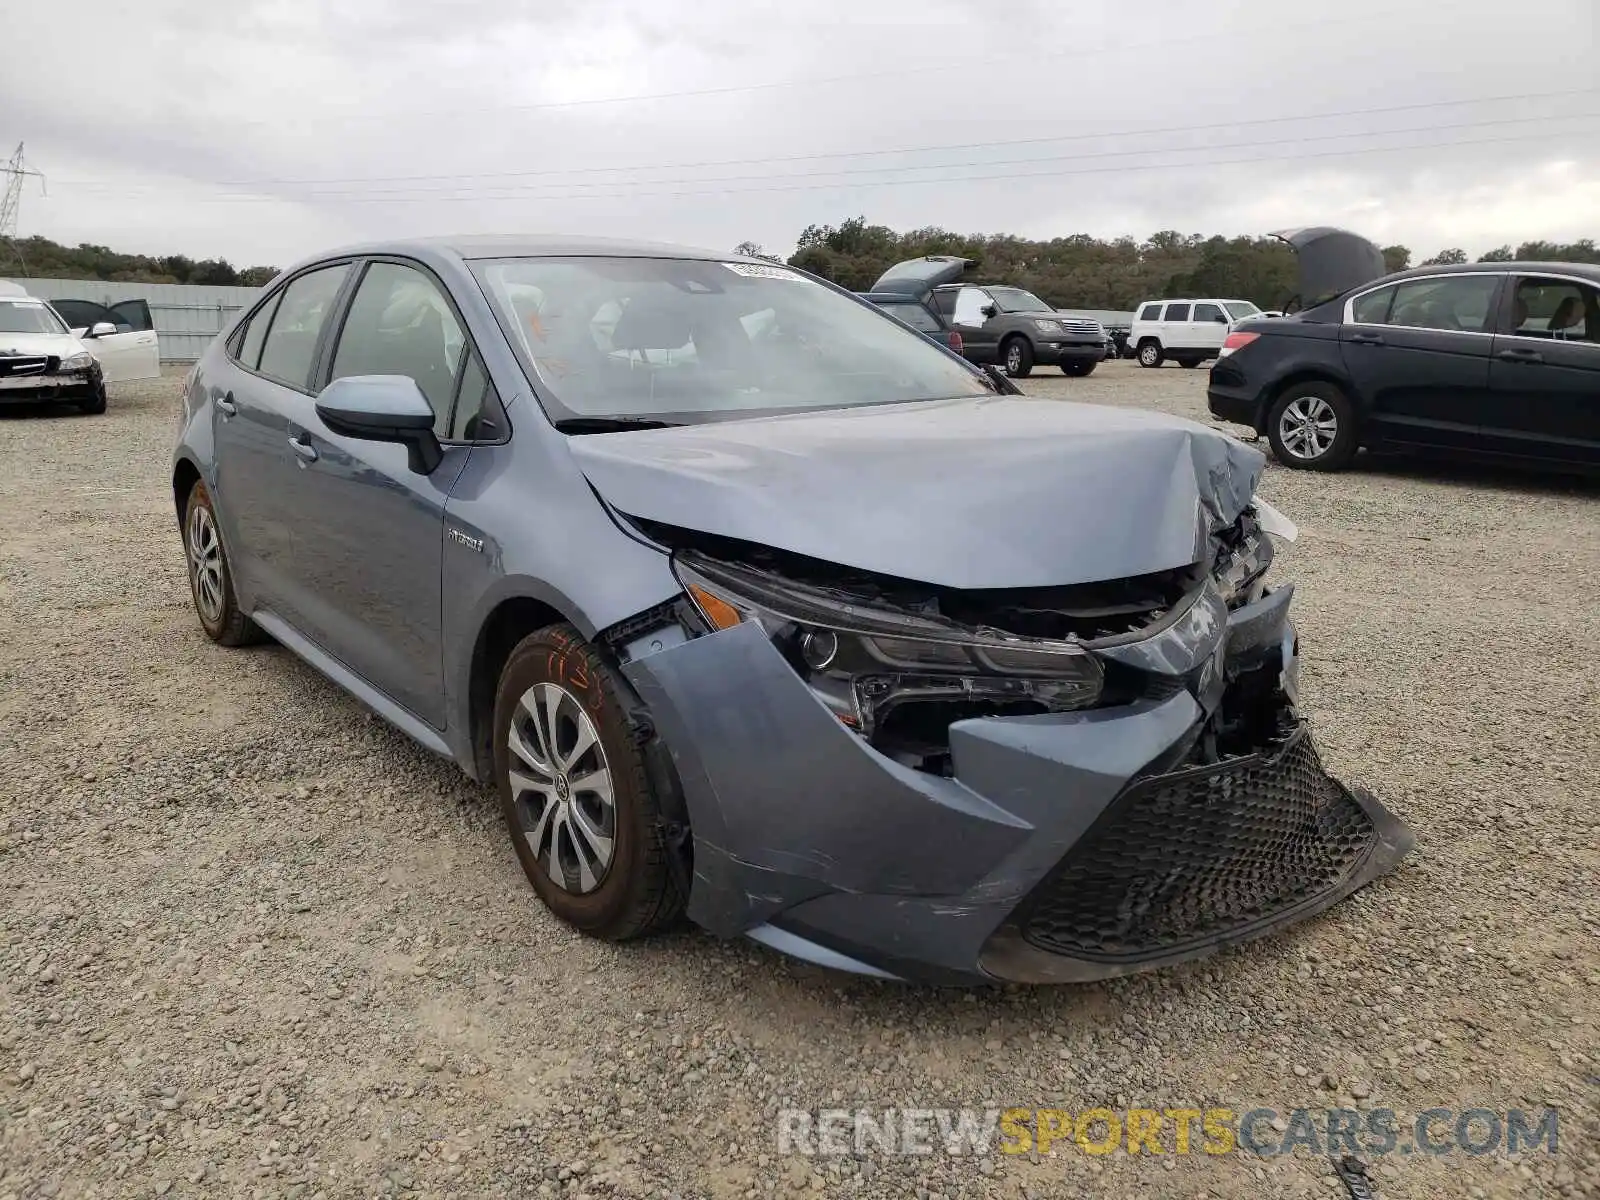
[
  {"x": 996, "y": 323},
  {"x": 918, "y": 314},
  {"x": 1493, "y": 360}
]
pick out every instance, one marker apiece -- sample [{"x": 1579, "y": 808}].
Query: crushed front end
[{"x": 1038, "y": 785}]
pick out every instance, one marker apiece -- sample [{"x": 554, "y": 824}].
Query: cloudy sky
[{"x": 262, "y": 130}]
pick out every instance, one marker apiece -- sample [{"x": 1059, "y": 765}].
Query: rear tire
[
  {"x": 1150, "y": 354},
  {"x": 1313, "y": 427},
  {"x": 582, "y": 808},
  {"x": 210, "y": 576},
  {"x": 1079, "y": 369},
  {"x": 1016, "y": 357},
  {"x": 1189, "y": 362}
]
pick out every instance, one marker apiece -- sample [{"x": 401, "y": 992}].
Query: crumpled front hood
[
  {"x": 63, "y": 345},
  {"x": 995, "y": 492}
]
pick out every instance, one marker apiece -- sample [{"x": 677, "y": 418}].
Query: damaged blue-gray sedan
[{"x": 755, "y": 604}]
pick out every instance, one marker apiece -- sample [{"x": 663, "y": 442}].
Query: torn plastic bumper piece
[{"x": 811, "y": 841}]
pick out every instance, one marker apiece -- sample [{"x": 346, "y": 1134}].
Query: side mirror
[
  {"x": 101, "y": 329},
  {"x": 383, "y": 408},
  {"x": 989, "y": 310}
]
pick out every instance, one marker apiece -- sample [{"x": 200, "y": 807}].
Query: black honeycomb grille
[{"x": 1190, "y": 857}]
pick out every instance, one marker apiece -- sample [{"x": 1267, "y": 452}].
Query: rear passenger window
[
  {"x": 1177, "y": 312},
  {"x": 1373, "y": 308},
  {"x": 1150, "y": 312},
  {"x": 1209, "y": 312},
  {"x": 291, "y": 343},
  {"x": 255, "y": 332},
  {"x": 400, "y": 324}
]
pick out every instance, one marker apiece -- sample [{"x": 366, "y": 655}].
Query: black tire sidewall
[
  {"x": 230, "y": 623},
  {"x": 1345, "y": 443},
  {"x": 1025, "y": 352},
  {"x": 558, "y": 654}
]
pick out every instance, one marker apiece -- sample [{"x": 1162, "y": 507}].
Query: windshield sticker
[{"x": 762, "y": 271}]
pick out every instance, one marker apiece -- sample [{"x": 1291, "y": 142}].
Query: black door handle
[
  {"x": 1520, "y": 356},
  {"x": 1367, "y": 339}
]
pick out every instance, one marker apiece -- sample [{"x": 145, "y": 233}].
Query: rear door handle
[
  {"x": 1367, "y": 339},
  {"x": 305, "y": 450},
  {"x": 1520, "y": 356},
  {"x": 226, "y": 406}
]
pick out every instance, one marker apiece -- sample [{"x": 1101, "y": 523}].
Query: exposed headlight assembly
[
  {"x": 1242, "y": 563},
  {"x": 860, "y": 659},
  {"x": 78, "y": 361}
]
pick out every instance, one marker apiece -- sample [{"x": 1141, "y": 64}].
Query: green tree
[
  {"x": 1446, "y": 258},
  {"x": 1396, "y": 258},
  {"x": 1499, "y": 254}
]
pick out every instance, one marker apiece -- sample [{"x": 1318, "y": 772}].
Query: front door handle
[
  {"x": 226, "y": 406},
  {"x": 1367, "y": 339},
  {"x": 1520, "y": 356},
  {"x": 306, "y": 451}
]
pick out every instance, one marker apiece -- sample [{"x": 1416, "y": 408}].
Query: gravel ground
[{"x": 254, "y": 943}]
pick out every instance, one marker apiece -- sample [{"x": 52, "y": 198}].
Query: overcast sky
[{"x": 264, "y": 130}]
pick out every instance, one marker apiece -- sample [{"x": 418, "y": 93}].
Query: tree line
[
  {"x": 1079, "y": 271},
  {"x": 42, "y": 258},
  {"x": 1076, "y": 271}
]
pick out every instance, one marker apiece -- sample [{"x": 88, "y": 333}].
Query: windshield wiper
[{"x": 611, "y": 424}]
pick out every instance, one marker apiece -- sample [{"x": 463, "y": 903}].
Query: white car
[
  {"x": 1187, "y": 331},
  {"x": 40, "y": 359},
  {"x": 122, "y": 337}
]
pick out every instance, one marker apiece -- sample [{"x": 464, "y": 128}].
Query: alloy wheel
[
  {"x": 1148, "y": 356},
  {"x": 1013, "y": 358},
  {"x": 1308, "y": 427},
  {"x": 205, "y": 563},
  {"x": 562, "y": 789}
]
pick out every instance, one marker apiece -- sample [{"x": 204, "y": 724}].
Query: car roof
[
  {"x": 1582, "y": 270},
  {"x": 475, "y": 246}
]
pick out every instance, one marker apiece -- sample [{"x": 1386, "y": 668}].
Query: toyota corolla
[{"x": 754, "y": 604}]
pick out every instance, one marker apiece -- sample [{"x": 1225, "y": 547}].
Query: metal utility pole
[{"x": 15, "y": 171}]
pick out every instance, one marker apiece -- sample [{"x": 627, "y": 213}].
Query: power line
[
  {"x": 339, "y": 193},
  {"x": 1005, "y": 175},
  {"x": 1134, "y": 131}
]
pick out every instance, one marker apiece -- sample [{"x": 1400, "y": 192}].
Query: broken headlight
[
  {"x": 1245, "y": 552},
  {"x": 862, "y": 660}
]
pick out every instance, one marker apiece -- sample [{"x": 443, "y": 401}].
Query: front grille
[
  {"x": 27, "y": 364},
  {"x": 1187, "y": 858},
  {"x": 1078, "y": 325}
]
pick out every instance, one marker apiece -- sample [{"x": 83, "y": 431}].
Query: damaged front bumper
[{"x": 1062, "y": 846}]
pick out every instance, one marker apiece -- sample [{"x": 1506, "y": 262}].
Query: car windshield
[
  {"x": 1017, "y": 300},
  {"x": 690, "y": 339},
  {"x": 1240, "y": 309},
  {"x": 24, "y": 314}
]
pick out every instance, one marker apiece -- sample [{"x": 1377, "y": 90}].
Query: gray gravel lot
[{"x": 253, "y": 942}]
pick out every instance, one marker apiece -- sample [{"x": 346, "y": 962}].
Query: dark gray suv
[{"x": 752, "y": 601}]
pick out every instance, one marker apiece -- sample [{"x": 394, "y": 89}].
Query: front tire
[
  {"x": 1016, "y": 356},
  {"x": 1312, "y": 427},
  {"x": 210, "y": 576},
  {"x": 1150, "y": 354},
  {"x": 573, "y": 783},
  {"x": 1078, "y": 369},
  {"x": 96, "y": 404}
]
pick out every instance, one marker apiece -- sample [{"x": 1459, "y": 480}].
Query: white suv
[{"x": 1188, "y": 331}]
